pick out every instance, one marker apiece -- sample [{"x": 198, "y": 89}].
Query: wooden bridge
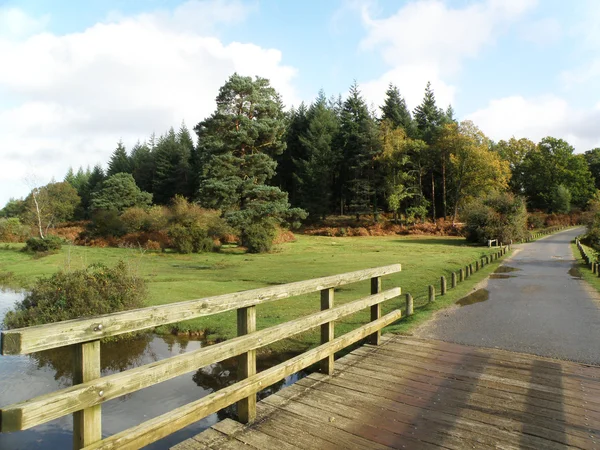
[{"x": 393, "y": 393}]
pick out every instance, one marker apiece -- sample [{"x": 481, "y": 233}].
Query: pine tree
[
  {"x": 317, "y": 171},
  {"x": 119, "y": 161},
  {"x": 142, "y": 165},
  {"x": 360, "y": 144},
  {"x": 239, "y": 141},
  {"x": 297, "y": 124},
  {"x": 172, "y": 169},
  {"x": 395, "y": 110}
]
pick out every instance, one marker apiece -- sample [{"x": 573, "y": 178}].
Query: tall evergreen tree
[
  {"x": 297, "y": 124},
  {"x": 317, "y": 172},
  {"x": 239, "y": 142},
  {"x": 142, "y": 165},
  {"x": 172, "y": 166},
  {"x": 395, "y": 110},
  {"x": 360, "y": 144},
  {"x": 119, "y": 161}
]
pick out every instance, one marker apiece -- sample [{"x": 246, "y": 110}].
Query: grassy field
[{"x": 172, "y": 277}]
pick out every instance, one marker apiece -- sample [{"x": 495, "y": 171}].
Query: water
[
  {"x": 480, "y": 295},
  {"x": 24, "y": 377}
]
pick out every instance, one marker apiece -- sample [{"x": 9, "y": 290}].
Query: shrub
[
  {"x": 81, "y": 293},
  {"x": 259, "y": 237},
  {"x": 107, "y": 223},
  {"x": 12, "y": 230},
  {"x": 134, "y": 219},
  {"x": 181, "y": 239},
  {"x": 499, "y": 216},
  {"x": 39, "y": 245}
]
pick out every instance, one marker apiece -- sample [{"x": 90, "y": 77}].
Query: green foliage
[
  {"x": 107, "y": 223},
  {"x": 188, "y": 239},
  {"x": 118, "y": 193},
  {"x": 80, "y": 293},
  {"x": 258, "y": 238},
  {"x": 119, "y": 161},
  {"x": 238, "y": 143},
  {"x": 13, "y": 208},
  {"x": 592, "y": 158},
  {"x": 49, "y": 205},
  {"x": 395, "y": 111},
  {"x": 561, "y": 200},
  {"x": 12, "y": 230},
  {"x": 39, "y": 245},
  {"x": 428, "y": 117},
  {"x": 172, "y": 166},
  {"x": 499, "y": 216},
  {"x": 551, "y": 164}
]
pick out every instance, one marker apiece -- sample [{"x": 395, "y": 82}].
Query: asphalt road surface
[{"x": 541, "y": 308}]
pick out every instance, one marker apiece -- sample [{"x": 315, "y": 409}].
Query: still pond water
[{"x": 24, "y": 377}]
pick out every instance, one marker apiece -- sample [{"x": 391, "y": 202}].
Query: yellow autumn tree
[{"x": 475, "y": 169}]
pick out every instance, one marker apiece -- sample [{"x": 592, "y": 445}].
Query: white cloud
[
  {"x": 78, "y": 94},
  {"x": 535, "y": 118},
  {"x": 430, "y": 41},
  {"x": 15, "y": 24}
]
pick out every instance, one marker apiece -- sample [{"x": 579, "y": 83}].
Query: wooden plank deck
[{"x": 422, "y": 394}]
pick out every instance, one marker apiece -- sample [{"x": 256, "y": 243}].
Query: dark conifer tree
[
  {"x": 395, "y": 110},
  {"x": 119, "y": 161}
]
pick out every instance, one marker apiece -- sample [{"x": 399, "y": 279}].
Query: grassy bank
[
  {"x": 583, "y": 269},
  {"x": 172, "y": 277}
]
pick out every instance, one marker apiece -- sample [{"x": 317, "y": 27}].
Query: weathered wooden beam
[
  {"x": 409, "y": 305},
  {"x": 246, "y": 324},
  {"x": 174, "y": 420},
  {"x": 43, "y": 337},
  {"x": 87, "y": 423},
  {"x": 443, "y": 285},
  {"x": 38, "y": 410},
  {"x": 375, "y": 338},
  {"x": 327, "y": 329}
]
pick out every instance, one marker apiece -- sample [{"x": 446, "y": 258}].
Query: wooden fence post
[
  {"x": 443, "y": 286},
  {"x": 453, "y": 280},
  {"x": 375, "y": 338},
  {"x": 476, "y": 266},
  {"x": 87, "y": 423},
  {"x": 462, "y": 274},
  {"x": 409, "y": 305},
  {"x": 246, "y": 323},
  {"x": 327, "y": 330},
  {"x": 431, "y": 293},
  {"x": 470, "y": 269}
]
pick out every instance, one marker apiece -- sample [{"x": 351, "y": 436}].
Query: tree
[
  {"x": 393, "y": 163},
  {"x": 118, "y": 193},
  {"x": 49, "y": 205},
  {"x": 551, "y": 164},
  {"x": 172, "y": 166},
  {"x": 119, "y": 161},
  {"x": 360, "y": 145},
  {"x": 514, "y": 151},
  {"x": 239, "y": 141},
  {"x": 317, "y": 169},
  {"x": 395, "y": 110},
  {"x": 560, "y": 200},
  {"x": 475, "y": 169},
  {"x": 13, "y": 208},
  {"x": 142, "y": 166},
  {"x": 592, "y": 158},
  {"x": 499, "y": 215}
]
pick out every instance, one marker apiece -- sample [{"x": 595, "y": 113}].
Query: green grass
[
  {"x": 584, "y": 269},
  {"x": 172, "y": 277}
]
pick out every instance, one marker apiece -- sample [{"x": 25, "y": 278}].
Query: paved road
[{"x": 541, "y": 309}]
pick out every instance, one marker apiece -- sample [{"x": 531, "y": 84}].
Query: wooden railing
[{"x": 90, "y": 389}]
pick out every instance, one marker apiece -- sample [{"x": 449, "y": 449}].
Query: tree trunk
[
  {"x": 444, "y": 184},
  {"x": 433, "y": 195},
  {"x": 37, "y": 211}
]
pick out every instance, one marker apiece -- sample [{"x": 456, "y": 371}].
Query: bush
[
  {"x": 107, "y": 223},
  {"x": 39, "y": 245},
  {"x": 190, "y": 239},
  {"x": 12, "y": 230},
  {"x": 81, "y": 293},
  {"x": 135, "y": 219},
  {"x": 259, "y": 237},
  {"x": 499, "y": 216}
]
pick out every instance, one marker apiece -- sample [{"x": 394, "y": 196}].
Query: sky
[{"x": 77, "y": 77}]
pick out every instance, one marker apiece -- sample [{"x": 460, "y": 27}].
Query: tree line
[{"x": 260, "y": 165}]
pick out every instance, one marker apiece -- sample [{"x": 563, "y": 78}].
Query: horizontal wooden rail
[
  {"x": 161, "y": 426},
  {"x": 36, "y": 411},
  {"x": 43, "y": 337}
]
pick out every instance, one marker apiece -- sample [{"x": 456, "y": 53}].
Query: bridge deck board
[{"x": 426, "y": 394}]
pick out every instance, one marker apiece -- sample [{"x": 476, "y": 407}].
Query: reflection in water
[
  {"x": 480, "y": 295},
  {"x": 24, "y": 377},
  {"x": 575, "y": 272},
  {"x": 500, "y": 276},
  {"x": 506, "y": 269}
]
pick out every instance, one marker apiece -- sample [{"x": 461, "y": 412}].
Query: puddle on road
[
  {"x": 575, "y": 272},
  {"x": 480, "y": 295},
  {"x": 500, "y": 276},
  {"x": 506, "y": 269}
]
